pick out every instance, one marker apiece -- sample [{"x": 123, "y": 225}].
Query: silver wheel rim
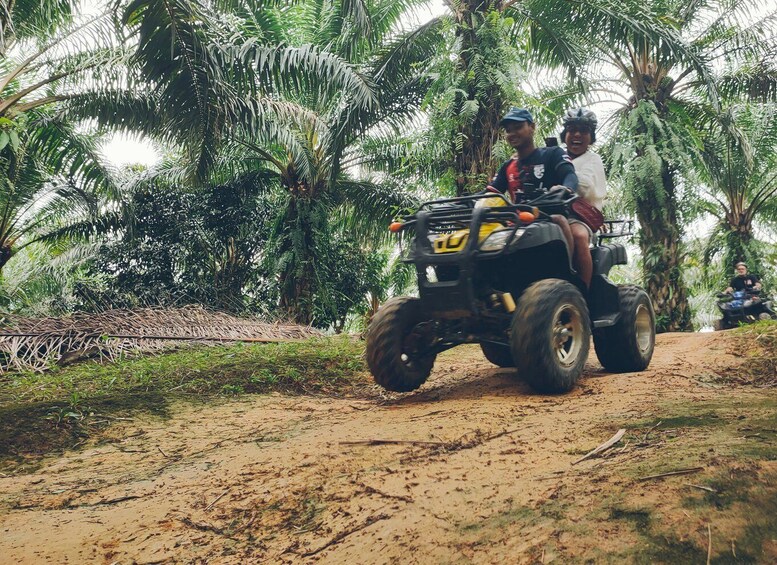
[
  {"x": 567, "y": 334},
  {"x": 644, "y": 329}
]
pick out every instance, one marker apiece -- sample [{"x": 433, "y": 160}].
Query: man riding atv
[
  {"x": 499, "y": 273},
  {"x": 532, "y": 168},
  {"x": 742, "y": 303},
  {"x": 743, "y": 280}
]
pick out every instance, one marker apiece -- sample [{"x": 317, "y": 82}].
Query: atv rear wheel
[
  {"x": 499, "y": 355},
  {"x": 550, "y": 335},
  {"x": 628, "y": 346},
  {"x": 395, "y": 346}
]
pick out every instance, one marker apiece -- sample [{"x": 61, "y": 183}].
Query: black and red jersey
[{"x": 543, "y": 168}]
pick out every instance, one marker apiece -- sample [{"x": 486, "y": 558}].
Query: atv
[
  {"x": 742, "y": 307},
  {"x": 513, "y": 290}
]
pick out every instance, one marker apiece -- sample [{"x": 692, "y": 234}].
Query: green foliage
[
  {"x": 347, "y": 116},
  {"x": 477, "y": 71},
  {"x": 45, "y": 280},
  {"x": 51, "y": 177},
  {"x": 737, "y": 167},
  {"x": 196, "y": 246},
  {"x": 350, "y": 273}
]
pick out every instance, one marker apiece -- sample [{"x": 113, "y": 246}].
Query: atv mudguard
[{"x": 603, "y": 299}]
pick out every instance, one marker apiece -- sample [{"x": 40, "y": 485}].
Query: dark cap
[{"x": 517, "y": 115}]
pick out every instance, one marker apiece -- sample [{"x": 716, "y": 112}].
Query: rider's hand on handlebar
[{"x": 560, "y": 188}]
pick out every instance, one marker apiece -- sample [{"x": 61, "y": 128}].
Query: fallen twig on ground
[
  {"x": 372, "y": 490},
  {"x": 421, "y": 416},
  {"x": 603, "y": 447},
  {"x": 709, "y": 544},
  {"x": 708, "y": 489},
  {"x": 106, "y": 502},
  {"x": 644, "y": 439},
  {"x": 219, "y": 497},
  {"x": 345, "y": 533},
  {"x": 203, "y": 526},
  {"x": 672, "y": 473},
  {"x": 391, "y": 442}
]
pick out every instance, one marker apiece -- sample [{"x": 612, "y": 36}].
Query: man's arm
[
  {"x": 564, "y": 168},
  {"x": 756, "y": 283},
  {"x": 499, "y": 182}
]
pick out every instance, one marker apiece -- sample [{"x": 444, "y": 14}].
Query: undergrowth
[
  {"x": 758, "y": 344},
  {"x": 61, "y": 408},
  {"x": 326, "y": 366}
]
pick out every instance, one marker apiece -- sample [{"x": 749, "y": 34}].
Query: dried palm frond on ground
[{"x": 37, "y": 343}]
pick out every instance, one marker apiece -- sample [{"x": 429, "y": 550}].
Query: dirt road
[{"x": 473, "y": 467}]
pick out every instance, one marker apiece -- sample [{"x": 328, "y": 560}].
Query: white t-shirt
[{"x": 591, "y": 181}]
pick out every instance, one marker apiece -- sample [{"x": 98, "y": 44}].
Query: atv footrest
[{"x": 607, "y": 321}]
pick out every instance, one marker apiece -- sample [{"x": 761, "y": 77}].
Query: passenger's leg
[
  {"x": 562, "y": 222},
  {"x": 582, "y": 258}
]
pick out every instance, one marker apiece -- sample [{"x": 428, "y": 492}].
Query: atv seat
[{"x": 606, "y": 256}]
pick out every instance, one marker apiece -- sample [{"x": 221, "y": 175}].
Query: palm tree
[
  {"x": 47, "y": 169},
  {"x": 48, "y": 176},
  {"x": 317, "y": 152},
  {"x": 245, "y": 94},
  {"x": 200, "y": 70},
  {"x": 739, "y": 170}
]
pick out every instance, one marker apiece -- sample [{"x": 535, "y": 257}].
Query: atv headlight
[{"x": 498, "y": 239}]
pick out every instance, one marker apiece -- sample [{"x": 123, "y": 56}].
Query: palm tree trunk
[
  {"x": 659, "y": 242},
  {"x": 298, "y": 275},
  {"x": 740, "y": 244},
  {"x": 5, "y": 255},
  {"x": 473, "y": 162}
]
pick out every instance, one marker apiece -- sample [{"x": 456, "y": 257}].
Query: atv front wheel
[
  {"x": 628, "y": 346},
  {"x": 395, "y": 344},
  {"x": 550, "y": 335},
  {"x": 499, "y": 355}
]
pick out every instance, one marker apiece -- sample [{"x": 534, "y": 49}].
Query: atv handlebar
[
  {"x": 458, "y": 210},
  {"x": 751, "y": 292}
]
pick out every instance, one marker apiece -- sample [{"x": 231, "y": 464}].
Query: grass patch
[
  {"x": 734, "y": 438},
  {"x": 689, "y": 420},
  {"x": 640, "y": 518},
  {"x": 40, "y": 413},
  {"x": 322, "y": 366},
  {"x": 741, "y": 514},
  {"x": 758, "y": 344}
]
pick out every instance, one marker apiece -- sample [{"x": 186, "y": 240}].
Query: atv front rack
[
  {"x": 445, "y": 280},
  {"x": 447, "y": 215}
]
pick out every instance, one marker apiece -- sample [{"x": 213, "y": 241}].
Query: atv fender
[{"x": 603, "y": 300}]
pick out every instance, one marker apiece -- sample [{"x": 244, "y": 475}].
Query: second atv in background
[{"x": 742, "y": 307}]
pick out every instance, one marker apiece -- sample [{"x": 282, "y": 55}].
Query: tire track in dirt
[{"x": 277, "y": 479}]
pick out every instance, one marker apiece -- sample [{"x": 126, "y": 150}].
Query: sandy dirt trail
[{"x": 460, "y": 470}]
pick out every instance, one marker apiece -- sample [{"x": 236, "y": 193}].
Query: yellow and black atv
[{"x": 513, "y": 290}]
